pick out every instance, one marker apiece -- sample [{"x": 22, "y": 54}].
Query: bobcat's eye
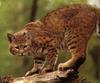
[
  {"x": 17, "y": 47},
  {"x": 25, "y": 46}
]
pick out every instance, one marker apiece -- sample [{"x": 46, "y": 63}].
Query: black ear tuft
[{"x": 10, "y": 37}]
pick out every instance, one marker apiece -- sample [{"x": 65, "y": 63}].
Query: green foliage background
[{"x": 14, "y": 14}]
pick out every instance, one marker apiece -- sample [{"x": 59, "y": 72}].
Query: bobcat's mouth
[{"x": 24, "y": 54}]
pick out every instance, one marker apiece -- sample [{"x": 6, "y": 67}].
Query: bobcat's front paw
[
  {"x": 63, "y": 67},
  {"x": 31, "y": 72},
  {"x": 64, "y": 71}
]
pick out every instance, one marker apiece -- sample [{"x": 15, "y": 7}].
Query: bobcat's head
[
  {"x": 28, "y": 41},
  {"x": 20, "y": 43}
]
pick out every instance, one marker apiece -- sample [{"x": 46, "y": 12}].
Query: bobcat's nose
[{"x": 21, "y": 52}]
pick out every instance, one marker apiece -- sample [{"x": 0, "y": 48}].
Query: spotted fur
[{"x": 69, "y": 27}]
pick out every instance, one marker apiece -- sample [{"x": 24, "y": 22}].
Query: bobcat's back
[{"x": 74, "y": 23}]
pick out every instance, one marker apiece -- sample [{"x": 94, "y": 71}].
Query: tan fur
[{"x": 69, "y": 27}]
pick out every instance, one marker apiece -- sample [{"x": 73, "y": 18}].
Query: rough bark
[{"x": 53, "y": 77}]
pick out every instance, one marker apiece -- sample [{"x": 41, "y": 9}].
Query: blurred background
[{"x": 14, "y": 14}]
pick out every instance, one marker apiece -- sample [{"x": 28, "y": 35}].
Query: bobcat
[{"x": 69, "y": 27}]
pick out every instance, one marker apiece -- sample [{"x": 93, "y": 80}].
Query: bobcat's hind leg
[
  {"x": 70, "y": 67},
  {"x": 73, "y": 64}
]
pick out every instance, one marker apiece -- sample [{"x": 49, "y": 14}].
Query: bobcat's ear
[{"x": 10, "y": 37}]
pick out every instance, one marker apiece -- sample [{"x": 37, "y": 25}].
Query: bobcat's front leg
[
  {"x": 51, "y": 60},
  {"x": 38, "y": 66}
]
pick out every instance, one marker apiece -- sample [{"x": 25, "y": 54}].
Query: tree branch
[
  {"x": 53, "y": 77},
  {"x": 34, "y": 10}
]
